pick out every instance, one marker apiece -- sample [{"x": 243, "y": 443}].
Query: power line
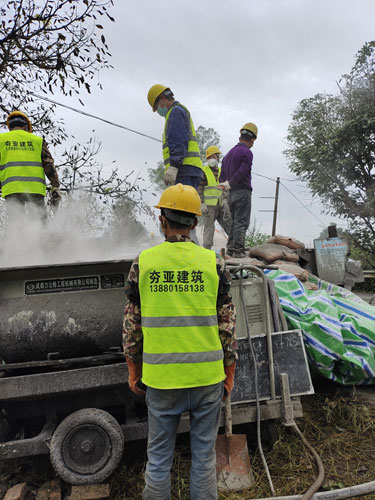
[
  {"x": 264, "y": 176},
  {"x": 158, "y": 140},
  {"x": 304, "y": 206},
  {"x": 294, "y": 196},
  {"x": 94, "y": 116}
]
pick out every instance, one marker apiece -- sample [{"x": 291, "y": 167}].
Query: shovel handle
[{"x": 228, "y": 417}]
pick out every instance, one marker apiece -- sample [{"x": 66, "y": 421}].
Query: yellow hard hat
[
  {"x": 212, "y": 150},
  {"x": 154, "y": 92},
  {"x": 250, "y": 127},
  {"x": 181, "y": 197},
  {"x": 19, "y": 113}
]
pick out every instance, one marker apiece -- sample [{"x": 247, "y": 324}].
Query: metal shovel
[{"x": 233, "y": 467}]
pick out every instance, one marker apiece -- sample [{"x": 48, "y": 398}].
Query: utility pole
[
  {"x": 276, "y": 198},
  {"x": 275, "y": 206}
]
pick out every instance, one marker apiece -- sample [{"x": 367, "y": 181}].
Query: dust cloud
[{"x": 77, "y": 231}]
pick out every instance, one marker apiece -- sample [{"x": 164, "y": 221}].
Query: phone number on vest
[{"x": 176, "y": 281}]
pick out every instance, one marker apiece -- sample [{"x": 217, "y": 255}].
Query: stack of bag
[{"x": 281, "y": 251}]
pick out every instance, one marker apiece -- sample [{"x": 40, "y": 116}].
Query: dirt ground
[{"x": 338, "y": 422}]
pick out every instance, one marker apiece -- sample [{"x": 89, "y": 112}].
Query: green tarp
[{"x": 337, "y": 326}]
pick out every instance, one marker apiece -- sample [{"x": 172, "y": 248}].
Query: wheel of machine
[{"x": 87, "y": 446}]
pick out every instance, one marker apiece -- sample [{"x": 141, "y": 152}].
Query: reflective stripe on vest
[
  {"x": 182, "y": 357},
  {"x": 178, "y": 286},
  {"x": 212, "y": 193},
  {"x": 21, "y": 169},
  {"x": 193, "y": 156}
]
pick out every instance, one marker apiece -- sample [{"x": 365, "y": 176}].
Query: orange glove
[
  {"x": 135, "y": 374},
  {"x": 229, "y": 379}
]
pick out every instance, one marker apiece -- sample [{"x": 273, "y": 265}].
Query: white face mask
[{"x": 212, "y": 162}]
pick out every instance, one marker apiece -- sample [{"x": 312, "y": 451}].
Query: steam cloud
[{"x": 78, "y": 231}]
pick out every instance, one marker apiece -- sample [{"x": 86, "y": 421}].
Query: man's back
[
  {"x": 178, "y": 285},
  {"x": 236, "y": 167},
  {"x": 21, "y": 168}
]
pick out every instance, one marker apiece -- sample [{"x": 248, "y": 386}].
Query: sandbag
[
  {"x": 289, "y": 267},
  {"x": 271, "y": 252},
  {"x": 248, "y": 260},
  {"x": 286, "y": 241},
  {"x": 310, "y": 286},
  {"x": 255, "y": 262}
]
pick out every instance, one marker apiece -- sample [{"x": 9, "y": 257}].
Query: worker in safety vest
[
  {"x": 214, "y": 199},
  {"x": 179, "y": 338},
  {"x": 181, "y": 155},
  {"x": 236, "y": 176},
  {"x": 24, "y": 162}
]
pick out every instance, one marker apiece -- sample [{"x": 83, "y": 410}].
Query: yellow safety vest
[
  {"x": 21, "y": 168},
  {"x": 212, "y": 192},
  {"x": 193, "y": 156},
  {"x": 178, "y": 285}
]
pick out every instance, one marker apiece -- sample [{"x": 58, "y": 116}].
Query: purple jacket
[{"x": 236, "y": 167}]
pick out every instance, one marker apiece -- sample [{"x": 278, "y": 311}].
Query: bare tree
[{"x": 47, "y": 46}]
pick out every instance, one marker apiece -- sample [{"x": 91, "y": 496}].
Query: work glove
[
  {"x": 204, "y": 209},
  {"x": 135, "y": 374},
  {"x": 225, "y": 185},
  {"x": 229, "y": 379},
  {"x": 170, "y": 176},
  {"x": 55, "y": 195}
]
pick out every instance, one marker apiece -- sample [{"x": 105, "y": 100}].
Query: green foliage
[
  {"x": 205, "y": 136},
  {"x": 254, "y": 237},
  {"x": 332, "y": 148},
  {"x": 156, "y": 176}
]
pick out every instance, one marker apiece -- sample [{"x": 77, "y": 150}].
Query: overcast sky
[{"x": 229, "y": 62}]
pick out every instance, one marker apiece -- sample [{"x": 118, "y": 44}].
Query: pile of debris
[
  {"x": 52, "y": 490},
  {"x": 281, "y": 252},
  {"x": 290, "y": 255}
]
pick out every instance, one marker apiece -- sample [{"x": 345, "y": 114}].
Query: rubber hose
[
  {"x": 259, "y": 438},
  {"x": 274, "y": 310},
  {"x": 319, "y": 480},
  {"x": 349, "y": 492}
]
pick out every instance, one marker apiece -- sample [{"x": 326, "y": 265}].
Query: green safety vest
[
  {"x": 212, "y": 192},
  {"x": 193, "y": 156},
  {"x": 21, "y": 169},
  {"x": 178, "y": 286}
]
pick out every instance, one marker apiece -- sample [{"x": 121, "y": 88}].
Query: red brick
[
  {"x": 17, "y": 492},
  {"x": 49, "y": 491},
  {"x": 55, "y": 490},
  {"x": 89, "y": 492}
]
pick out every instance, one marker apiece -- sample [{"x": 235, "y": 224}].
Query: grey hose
[
  {"x": 259, "y": 439},
  {"x": 320, "y": 479},
  {"x": 273, "y": 300},
  {"x": 349, "y": 492}
]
